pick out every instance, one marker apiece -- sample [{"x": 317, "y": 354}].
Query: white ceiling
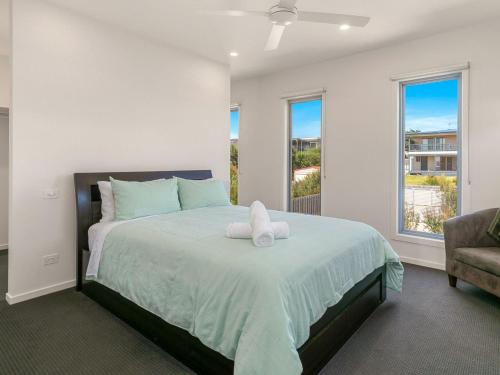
[{"x": 180, "y": 23}]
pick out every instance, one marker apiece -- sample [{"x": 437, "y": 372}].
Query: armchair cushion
[
  {"x": 494, "y": 228},
  {"x": 484, "y": 258}
]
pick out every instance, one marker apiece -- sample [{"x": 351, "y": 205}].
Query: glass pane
[
  {"x": 305, "y": 146},
  {"x": 233, "y": 171},
  {"x": 430, "y": 118}
]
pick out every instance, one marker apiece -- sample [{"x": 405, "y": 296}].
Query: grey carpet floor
[{"x": 428, "y": 329}]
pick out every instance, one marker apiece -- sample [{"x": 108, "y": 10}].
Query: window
[
  {"x": 449, "y": 163},
  {"x": 437, "y": 160},
  {"x": 233, "y": 171},
  {"x": 304, "y": 155},
  {"x": 430, "y": 134}
]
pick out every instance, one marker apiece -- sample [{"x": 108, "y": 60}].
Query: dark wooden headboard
[{"x": 88, "y": 201}]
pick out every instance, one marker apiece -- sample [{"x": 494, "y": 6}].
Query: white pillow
[{"x": 107, "y": 201}]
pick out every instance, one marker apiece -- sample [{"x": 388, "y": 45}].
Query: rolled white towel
[
  {"x": 262, "y": 230},
  {"x": 244, "y": 230},
  {"x": 281, "y": 230}
]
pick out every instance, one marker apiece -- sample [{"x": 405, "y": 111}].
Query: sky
[
  {"x": 306, "y": 119},
  {"x": 234, "y": 124},
  {"x": 431, "y": 106}
]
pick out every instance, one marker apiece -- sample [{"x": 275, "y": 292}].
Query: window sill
[{"x": 434, "y": 242}]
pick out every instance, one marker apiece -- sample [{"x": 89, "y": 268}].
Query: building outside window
[{"x": 438, "y": 149}]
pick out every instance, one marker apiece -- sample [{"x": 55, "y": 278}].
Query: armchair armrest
[{"x": 469, "y": 231}]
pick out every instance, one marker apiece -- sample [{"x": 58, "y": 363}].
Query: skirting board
[
  {"x": 12, "y": 299},
  {"x": 423, "y": 263}
]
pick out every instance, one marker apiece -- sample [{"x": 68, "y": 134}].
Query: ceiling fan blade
[
  {"x": 274, "y": 37},
  {"x": 235, "y": 13},
  {"x": 290, "y": 4},
  {"x": 337, "y": 19}
]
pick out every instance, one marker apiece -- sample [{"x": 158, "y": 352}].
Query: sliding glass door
[{"x": 304, "y": 155}]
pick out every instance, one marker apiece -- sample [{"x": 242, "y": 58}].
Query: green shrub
[
  {"x": 431, "y": 180},
  {"x": 304, "y": 159},
  {"x": 310, "y": 185},
  {"x": 449, "y": 196},
  {"x": 234, "y": 155},
  {"x": 440, "y": 181},
  {"x": 433, "y": 220},
  {"x": 233, "y": 177},
  {"x": 412, "y": 219},
  {"x": 233, "y": 174},
  {"x": 449, "y": 199}
]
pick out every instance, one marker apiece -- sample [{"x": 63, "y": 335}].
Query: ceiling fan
[{"x": 285, "y": 13}]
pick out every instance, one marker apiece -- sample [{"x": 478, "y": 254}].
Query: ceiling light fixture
[
  {"x": 344, "y": 27},
  {"x": 233, "y": 54}
]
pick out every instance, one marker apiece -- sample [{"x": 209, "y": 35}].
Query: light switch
[{"x": 51, "y": 193}]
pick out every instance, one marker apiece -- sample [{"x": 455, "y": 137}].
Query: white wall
[
  {"x": 4, "y": 149},
  {"x": 4, "y": 181},
  {"x": 4, "y": 82},
  {"x": 88, "y": 97},
  {"x": 361, "y": 128}
]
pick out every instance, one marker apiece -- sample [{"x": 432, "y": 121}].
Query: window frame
[
  {"x": 235, "y": 108},
  {"x": 288, "y": 102},
  {"x": 461, "y": 76}
]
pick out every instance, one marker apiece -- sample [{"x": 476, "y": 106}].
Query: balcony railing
[
  {"x": 433, "y": 173},
  {"x": 419, "y": 147},
  {"x": 310, "y": 204}
]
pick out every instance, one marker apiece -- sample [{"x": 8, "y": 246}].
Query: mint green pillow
[
  {"x": 202, "y": 193},
  {"x": 136, "y": 199}
]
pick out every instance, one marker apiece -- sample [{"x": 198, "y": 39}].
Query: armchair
[{"x": 471, "y": 254}]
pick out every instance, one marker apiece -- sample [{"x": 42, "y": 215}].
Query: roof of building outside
[
  {"x": 307, "y": 139},
  {"x": 448, "y": 131}
]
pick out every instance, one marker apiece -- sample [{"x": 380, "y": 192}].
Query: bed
[{"x": 220, "y": 305}]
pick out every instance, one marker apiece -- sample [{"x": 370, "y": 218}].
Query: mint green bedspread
[{"x": 253, "y": 305}]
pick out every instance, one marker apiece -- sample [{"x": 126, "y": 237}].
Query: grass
[{"x": 416, "y": 180}]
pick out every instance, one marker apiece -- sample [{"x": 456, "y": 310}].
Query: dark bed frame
[{"x": 326, "y": 336}]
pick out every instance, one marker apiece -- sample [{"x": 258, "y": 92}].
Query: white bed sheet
[{"x": 97, "y": 235}]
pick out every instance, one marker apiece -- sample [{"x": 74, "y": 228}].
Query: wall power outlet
[{"x": 50, "y": 259}]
